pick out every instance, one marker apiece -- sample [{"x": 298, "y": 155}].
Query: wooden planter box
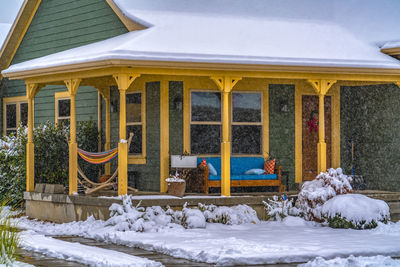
[{"x": 176, "y": 188}]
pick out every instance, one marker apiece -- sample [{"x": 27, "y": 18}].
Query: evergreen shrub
[{"x": 51, "y": 156}]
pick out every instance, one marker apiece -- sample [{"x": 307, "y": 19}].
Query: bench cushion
[
  {"x": 246, "y": 177},
  {"x": 239, "y": 165}
]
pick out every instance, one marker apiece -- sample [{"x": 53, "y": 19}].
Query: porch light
[
  {"x": 177, "y": 103},
  {"x": 284, "y": 106}
]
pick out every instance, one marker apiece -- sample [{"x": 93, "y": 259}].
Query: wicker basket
[{"x": 176, "y": 188}]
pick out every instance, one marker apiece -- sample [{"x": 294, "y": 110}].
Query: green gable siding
[
  {"x": 64, "y": 24},
  {"x": 371, "y": 116},
  {"x": 282, "y": 129},
  {"x": 60, "y": 25}
]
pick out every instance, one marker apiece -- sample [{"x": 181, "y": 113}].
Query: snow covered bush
[
  {"x": 355, "y": 211},
  {"x": 315, "y": 193},
  {"x": 229, "y": 215},
  {"x": 127, "y": 217},
  {"x": 277, "y": 209}
]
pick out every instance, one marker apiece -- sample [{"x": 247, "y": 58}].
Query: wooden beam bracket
[
  {"x": 72, "y": 86},
  {"x": 225, "y": 83},
  {"x": 321, "y": 86},
  {"x": 124, "y": 80}
]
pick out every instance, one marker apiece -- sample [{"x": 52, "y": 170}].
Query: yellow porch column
[
  {"x": 105, "y": 93},
  {"x": 124, "y": 80},
  {"x": 226, "y": 84},
  {"x": 72, "y": 86},
  {"x": 31, "y": 91},
  {"x": 164, "y": 134},
  {"x": 321, "y": 87}
]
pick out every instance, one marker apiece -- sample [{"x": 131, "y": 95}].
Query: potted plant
[{"x": 176, "y": 185}]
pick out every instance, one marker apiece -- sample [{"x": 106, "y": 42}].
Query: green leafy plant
[
  {"x": 51, "y": 153},
  {"x": 9, "y": 237},
  {"x": 339, "y": 222},
  {"x": 51, "y": 157}
]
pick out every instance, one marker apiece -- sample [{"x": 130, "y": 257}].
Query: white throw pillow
[
  {"x": 211, "y": 169},
  {"x": 255, "y": 172}
]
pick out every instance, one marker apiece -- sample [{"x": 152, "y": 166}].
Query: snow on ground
[
  {"x": 291, "y": 240},
  {"x": 17, "y": 264},
  {"x": 374, "y": 261},
  {"x": 88, "y": 255}
]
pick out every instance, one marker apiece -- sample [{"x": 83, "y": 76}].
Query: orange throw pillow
[{"x": 269, "y": 166}]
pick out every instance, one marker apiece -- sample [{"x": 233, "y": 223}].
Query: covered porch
[{"x": 226, "y": 80}]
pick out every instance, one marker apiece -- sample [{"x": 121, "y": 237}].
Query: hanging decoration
[{"x": 313, "y": 121}]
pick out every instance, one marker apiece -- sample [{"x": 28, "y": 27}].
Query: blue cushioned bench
[{"x": 239, "y": 165}]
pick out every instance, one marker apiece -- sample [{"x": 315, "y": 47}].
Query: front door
[{"x": 310, "y": 135}]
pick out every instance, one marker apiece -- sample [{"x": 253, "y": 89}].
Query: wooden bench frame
[{"x": 239, "y": 183}]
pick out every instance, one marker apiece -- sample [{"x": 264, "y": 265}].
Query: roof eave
[{"x": 164, "y": 67}]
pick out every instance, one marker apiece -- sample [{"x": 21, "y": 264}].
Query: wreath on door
[{"x": 313, "y": 121}]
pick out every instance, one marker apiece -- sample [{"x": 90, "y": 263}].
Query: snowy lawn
[{"x": 292, "y": 240}]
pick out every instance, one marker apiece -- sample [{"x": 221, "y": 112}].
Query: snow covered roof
[
  {"x": 188, "y": 31},
  {"x": 392, "y": 44}
]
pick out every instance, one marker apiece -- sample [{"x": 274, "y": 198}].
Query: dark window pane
[
  {"x": 64, "y": 108},
  {"x": 24, "y": 113},
  {"x": 206, "y": 106},
  {"x": 246, "y": 107},
  {"x": 205, "y": 139},
  {"x": 246, "y": 139},
  {"x": 134, "y": 107},
  {"x": 11, "y": 116},
  {"x": 136, "y": 144}
]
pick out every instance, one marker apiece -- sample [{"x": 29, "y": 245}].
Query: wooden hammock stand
[{"x": 100, "y": 158}]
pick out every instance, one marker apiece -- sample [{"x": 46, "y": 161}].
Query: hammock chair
[{"x": 100, "y": 158}]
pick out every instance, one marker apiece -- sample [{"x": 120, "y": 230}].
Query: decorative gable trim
[
  {"x": 394, "y": 51},
  {"x": 17, "y": 32}
]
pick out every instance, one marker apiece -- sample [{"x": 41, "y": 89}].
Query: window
[
  {"x": 205, "y": 122},
  {"x": 63, "y": 107},
  {"x": 135, "y": 118},
  {"x": 15, "y": 113},
  {"x": 247, "y": 123}
]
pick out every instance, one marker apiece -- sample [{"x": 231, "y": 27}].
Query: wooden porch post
[
  {"x": 321, "y": 87},
  {"x": 31, "y": 91},
  {"x": 164, "y": 134},
  {"x": 226, "y": 85},
  {"x": 124, "y": 80},
  {"x": 73, "y": 85},
  {"x": 105, "y": 93}
]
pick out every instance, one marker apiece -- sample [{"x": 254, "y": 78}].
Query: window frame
[
  {"x": 139, "y": 158},
  {"x": 202, "y": 122},
  {"x": 57, "y": 97},
  {"x": 261, "y": 123},
  {"x": 17, "y": 100}
]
